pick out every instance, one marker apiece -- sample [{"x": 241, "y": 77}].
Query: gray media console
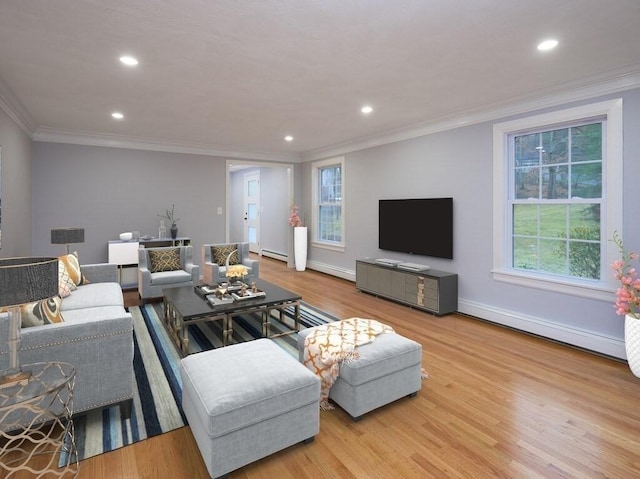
[{"x": 430, "y": 290}]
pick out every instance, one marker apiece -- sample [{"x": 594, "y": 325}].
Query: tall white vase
[
  {"x": 632, "y": 343},
  {"x": 300, "y": 247}
]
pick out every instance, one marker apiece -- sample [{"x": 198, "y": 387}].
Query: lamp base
[{"x": 13, "y": 379}]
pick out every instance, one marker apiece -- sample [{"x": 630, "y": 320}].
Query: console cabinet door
[{"x": 434, "y": 291}]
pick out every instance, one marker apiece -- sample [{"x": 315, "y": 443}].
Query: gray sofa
[{"x": 96, "y": 337}]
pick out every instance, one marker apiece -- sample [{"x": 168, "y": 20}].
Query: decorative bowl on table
[{"x": 126, "y": 236}]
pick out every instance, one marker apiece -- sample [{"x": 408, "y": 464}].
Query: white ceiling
[{"x": 238, "y": 75}]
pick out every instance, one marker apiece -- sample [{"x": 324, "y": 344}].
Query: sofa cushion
[
  {"x": 93, "y": 295},
  {"x": 170, "y": 277},
  {"x": 46, "y": 311},
  {"x": 98, "y": 313},
  {"x": 219, "y": 254},
  {"x": 164, "y": 260},
  {"x": 72, "y": 265},
  {"x": 65, "y": 283}
]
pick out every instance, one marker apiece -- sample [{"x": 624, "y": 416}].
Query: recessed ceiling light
[
  {"x": 366, "y": 109},
  {"x": 548, "y": 45},
  {"x": 129, "y": 61},
  {"x": 117, "y": 115},
  {"x": 288, "y": 138}
]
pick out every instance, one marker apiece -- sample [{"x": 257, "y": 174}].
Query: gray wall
[
  {"x": 110, "y": 190},
  {"x": 458, "y": 163},
  {"x": 16, "y": 189}
]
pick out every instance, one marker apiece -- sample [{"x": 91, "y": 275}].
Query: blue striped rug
[{"x": 156, "y": 405}]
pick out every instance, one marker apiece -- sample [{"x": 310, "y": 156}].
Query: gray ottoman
[
  {"x": 389, "y": 368},
  {"x": 246, "y": 401}
]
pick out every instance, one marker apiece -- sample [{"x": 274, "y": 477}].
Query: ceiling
[{"x": 236, "y": 76}]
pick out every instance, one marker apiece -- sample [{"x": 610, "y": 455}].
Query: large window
[
  {"x": 557, "y": 198},
  {"x": 328, "y": 197}
]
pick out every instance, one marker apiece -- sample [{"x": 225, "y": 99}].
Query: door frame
[{"x": 232, "y": 165}]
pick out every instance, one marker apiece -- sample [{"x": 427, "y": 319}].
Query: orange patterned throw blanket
[{"x": 329, "y": 345}]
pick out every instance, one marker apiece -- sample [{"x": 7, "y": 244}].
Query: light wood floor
[{"x": 498, "y": 404}]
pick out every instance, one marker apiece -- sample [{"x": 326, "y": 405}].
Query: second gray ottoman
[
  {"x": 246, "y": 401},
  {"x": 389, "y": 368}
]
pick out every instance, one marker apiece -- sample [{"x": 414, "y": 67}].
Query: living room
[{"x": 53, "y": 177}]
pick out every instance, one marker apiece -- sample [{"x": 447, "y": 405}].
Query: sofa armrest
[
  {"x": 100, "y": 272},
  {"x": 194, "y": 270},
  {"x": 253, "y": 264}
]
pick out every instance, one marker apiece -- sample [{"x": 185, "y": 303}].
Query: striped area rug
[{"x": 156, "y": 405}]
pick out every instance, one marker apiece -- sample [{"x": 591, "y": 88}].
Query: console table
[
  {"x": 125, "y": 255},
  {"x": 429, "y": 290}
]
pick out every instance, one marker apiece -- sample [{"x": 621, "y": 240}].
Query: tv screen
[{"x": 417, "y": 226}]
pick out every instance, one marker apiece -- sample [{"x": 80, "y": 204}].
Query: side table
[{"x": 35, "y": 419}]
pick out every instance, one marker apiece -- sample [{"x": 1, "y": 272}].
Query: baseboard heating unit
[{"x": 413, "y": 266}]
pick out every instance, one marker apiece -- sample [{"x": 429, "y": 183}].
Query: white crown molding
[
  {"x": 12, "y": 107},
  {"x": 613, "y": 82},
  {"x": 120, "y": 141}
]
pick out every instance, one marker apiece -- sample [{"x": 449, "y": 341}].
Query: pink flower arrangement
[
  {"x": 294, "y": 217},
  {"x": 627, "y": 295}
]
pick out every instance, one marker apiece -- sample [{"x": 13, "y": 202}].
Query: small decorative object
[
  {"x": 243, "y": 290},
  {"x": 294, "y": 217},
  {"x": 628, "y": 303},
  {"x": 254, "y": 288},
  {"x": 299, "y": 238},
  {"x": 170, "y": 215},
  {"x": 126, "y": 236},
  {"x": 162, "y": 231},
  {"x": 236, "y": 272}
]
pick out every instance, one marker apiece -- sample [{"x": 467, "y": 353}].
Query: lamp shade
[
  {"x": 67, "y": 235},
  {"x": 23, "y": 280}
]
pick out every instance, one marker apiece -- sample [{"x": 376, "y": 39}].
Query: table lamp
[
  {"x": 23, "y": 280},
  {"x": 67, "y": 236}
]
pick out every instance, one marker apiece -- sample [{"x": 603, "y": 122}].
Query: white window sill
[{"x": 328, "y": 246}]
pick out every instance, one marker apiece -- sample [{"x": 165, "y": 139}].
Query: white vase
[
  {"x": 300, "y": 247},
  {"x": 632, "y": 343}
]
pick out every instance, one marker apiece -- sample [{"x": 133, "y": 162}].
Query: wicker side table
[{"x": 35, "y": 419}]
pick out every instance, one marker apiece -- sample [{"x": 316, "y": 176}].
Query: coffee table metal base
[{"x": 178, "y": 327}]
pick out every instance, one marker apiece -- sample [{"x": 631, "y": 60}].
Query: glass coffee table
[{"x": 184, "y": 307}]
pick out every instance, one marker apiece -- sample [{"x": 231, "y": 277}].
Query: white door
[{"x": 252, "y": 211}]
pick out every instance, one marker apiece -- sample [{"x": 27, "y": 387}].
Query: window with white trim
[
  {"x": 558, "y": 198},
  {"x": 328, "y": 203}
]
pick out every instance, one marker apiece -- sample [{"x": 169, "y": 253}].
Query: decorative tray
[
  {"x": 215, "y": 301},
  {"x": 203, "y": 290},
  {"x": 248, "y": 295}
]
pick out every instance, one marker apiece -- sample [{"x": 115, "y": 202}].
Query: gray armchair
[
  {"x": 169, "y": 267},
  {"x": 214, "y": 271}
]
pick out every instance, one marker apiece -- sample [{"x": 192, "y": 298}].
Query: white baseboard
[
  {"x": 565, "y": 334},
  {"x": 273, "y": 254},
  {"x": 343, "y": 273}
]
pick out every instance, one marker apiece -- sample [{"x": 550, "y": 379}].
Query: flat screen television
[{"x": 422, "y": 226}]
